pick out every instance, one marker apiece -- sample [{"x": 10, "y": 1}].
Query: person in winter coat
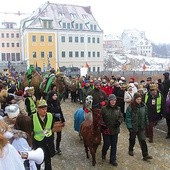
[
  {"x": 110, "y": 126},
  {"x": 9, "y": 157},
  {"x": 136, "y": 122},
  {"x": 55, "y": 108},
  {"x": 99, "y": 96},
  {"x": 155, "y": 104},
  {"x": 165, "y": 85},
  {"x": 42, "y": 125},
  {"x": 168, "y": 114},
  {"x": 128, "y": 98},
  {"x": 22, "y": 139},
  {"x": 85, "y": 90},
  {"x": 19, "y": 99}
]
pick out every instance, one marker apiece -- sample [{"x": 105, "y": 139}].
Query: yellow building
[{"x": 39, "y": 49}]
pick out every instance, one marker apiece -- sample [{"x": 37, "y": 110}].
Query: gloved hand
[{"x": 117, "y": 124}]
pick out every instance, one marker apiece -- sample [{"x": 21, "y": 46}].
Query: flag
[
  {"x": 36, "y": 66},
  {"x": 49, "y": 64},
  {"x": 86, "y": 65}
]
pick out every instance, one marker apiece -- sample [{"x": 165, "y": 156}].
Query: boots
[{"x": 150, "y": 139}]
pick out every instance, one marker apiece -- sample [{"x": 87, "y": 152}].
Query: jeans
[
  {"x": 141, "y": 138},
  {"x": 110, "y": 140}
]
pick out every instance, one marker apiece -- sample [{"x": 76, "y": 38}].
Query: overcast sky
[{"x": 113, "y": 16}]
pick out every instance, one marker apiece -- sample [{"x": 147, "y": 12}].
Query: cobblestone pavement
[{"x": 73, "y": 155}]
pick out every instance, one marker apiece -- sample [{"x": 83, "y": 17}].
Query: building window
[
  {"x": 77, "y": 26},
  {"x": 33, "y": 38},
  {"x": 2, "y": 35},
  {"x": 98, "y": 40},
  {"x": 17, "y": 35},
  {"x": 12, "y": 35},
  {"x": 7, "y": 44},
  {"x": 89, "y": 40},
  {"x": 42, "y": 54},
  {"x": 64, "y": 25},
  {"x": 3, "y": 56},
  {"x": 7, "y": 35},
  {"x": 50, "y": 54},
  {"x": 13, "y": 56},
  {"x": 89, "y": 54},
  {"x": 70, "y": 54},
  {"x": 93, "y": 69},
  {"x": 63, "y": 54},
  {"x": 45, "y": 24},
  {"x": 63, "y": 39},
  {"x": 68, "y": 25},
  {"x": 98, "y": 54},
  {"x": 91, "y": 27},
  {"x": 98, "y": 69},
  {"x": 82, "y": 53},
  {"x": 93, "y": 53},
  {"x": 76, "y": 39},
  {"x": 70, "y": 39},
  {"x": 42, "y": 38},
  {"x": 82, "y": 39},
  {"x": 18, "y": 58},
  {"x": 17, "y": 44},
  {"x": 49, "y": 24},
  {"x": 8, "y": 56},
  {"x": 93, "y": 40},
  {"x": 50, "y": 38},
  {"x": 95, "y": 27},
  {"x": 12, "y": 45},
  {"x": 34, "y": 54},
  {"x": 81, "y": 26},
  {"x": 76, "y": 54},
  {"x": 3, "y": 44}
]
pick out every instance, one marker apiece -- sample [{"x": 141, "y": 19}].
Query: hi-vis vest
[
  {"x": 39, "y": 132},
  {"x": 32, "y": 105},
  {"x": 158, "y": 102}
]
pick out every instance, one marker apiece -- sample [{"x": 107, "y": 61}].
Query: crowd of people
[{"x": 29, "y": 122}]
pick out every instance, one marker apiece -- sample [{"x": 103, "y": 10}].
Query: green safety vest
[
  {"x": 32, "y": 105},
  {"x": 39, "y": 132},
  {"x": 158, "y": 102}
]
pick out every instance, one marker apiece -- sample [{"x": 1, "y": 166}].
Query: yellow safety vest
[
  {"x": 32, "y": 105},
  {"x": 39, "y": 132},
  {"x": 158, "y": 102}
]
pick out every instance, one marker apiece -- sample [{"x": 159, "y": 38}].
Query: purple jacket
[{"x": 168, "y": 107}]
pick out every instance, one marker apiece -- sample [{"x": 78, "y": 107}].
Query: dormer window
[
  {"x": 46, "y": 23},
  {"x": 61, "y": 15},
  {"x": 73, "y": 15},
  {"x": 85, "y": 16},
  {"x": 9, "y": 24}
]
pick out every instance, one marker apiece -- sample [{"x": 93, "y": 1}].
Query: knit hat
[
  {"x": 136, "y": 95},
  {"x": 51, "y": 94},
  {"x": 97, "y": 82},
  {"x": 41, "y": 103},
  {"x": 112, "y": 97},
  {"x": 166, "y": 74},
  {"x": 12, "y": 110}
]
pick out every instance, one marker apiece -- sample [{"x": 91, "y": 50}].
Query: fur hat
[
  {"x": 112, "y": 97},
  {"x": 12, "y": 111}
]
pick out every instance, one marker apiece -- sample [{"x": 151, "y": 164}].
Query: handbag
[{"x": 57, "y": 126}]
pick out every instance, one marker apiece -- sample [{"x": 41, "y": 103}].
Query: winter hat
[
  {"x": 166, "y": 74},
  {"x": 112, "y": 97},
  {"x": 136, "y": 95},
  {"x": 12, "y": 111},
  {"x": 149, "y": 79},
  {"x": 97, "y": 82}
]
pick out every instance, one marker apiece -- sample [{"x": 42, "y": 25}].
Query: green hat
[{"x": 41, "y": 103}]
